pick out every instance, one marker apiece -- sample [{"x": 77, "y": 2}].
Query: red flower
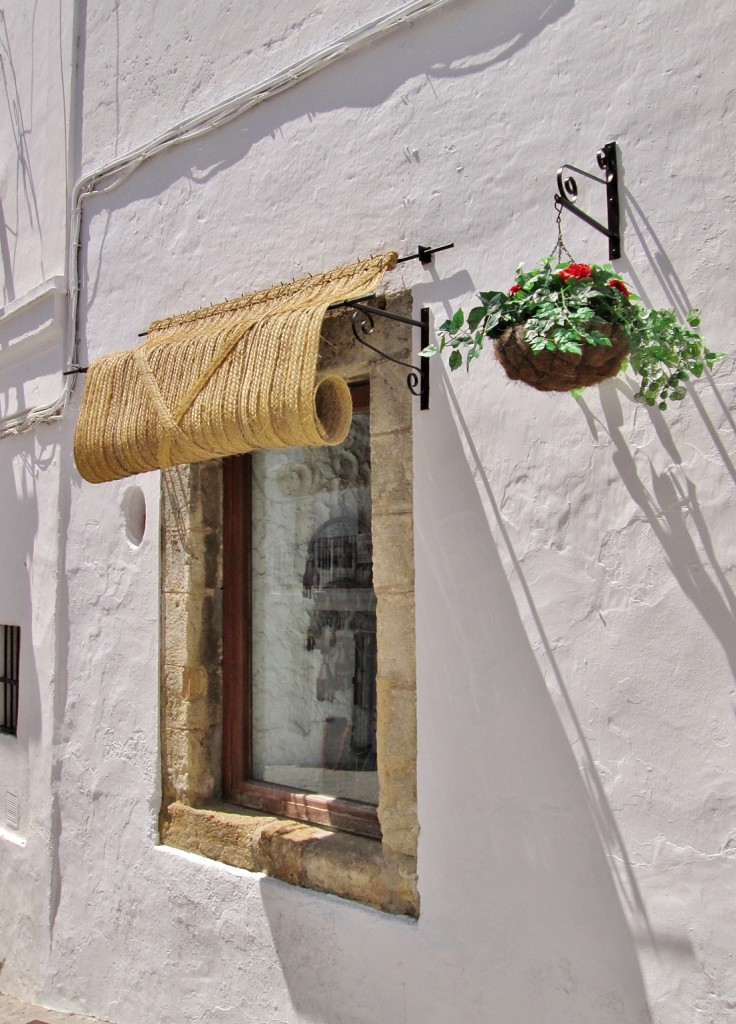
[
  {"x": 615, "y": 283},
  {"x": 514, "y": 289},
  {"x": 575, "y": 270}
]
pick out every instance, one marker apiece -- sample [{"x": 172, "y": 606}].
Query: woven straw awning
[{"x": 224, "y": 380}]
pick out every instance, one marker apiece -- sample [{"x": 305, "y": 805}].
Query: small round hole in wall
[{"x": 134, "y": 515}]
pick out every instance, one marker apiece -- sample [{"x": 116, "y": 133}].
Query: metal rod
[
  {"x": 348, "y": 303},
  {"x": 424, "y": 253},
  {"x": 371, "y": 310}
]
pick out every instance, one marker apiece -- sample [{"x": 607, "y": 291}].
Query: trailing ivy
[{"x": 563, "y": 306}]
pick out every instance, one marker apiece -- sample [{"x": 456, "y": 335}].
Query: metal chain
[{"x": 559, "y": 247}]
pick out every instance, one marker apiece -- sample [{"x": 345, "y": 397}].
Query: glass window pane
[{"x": 314, "y": 619}]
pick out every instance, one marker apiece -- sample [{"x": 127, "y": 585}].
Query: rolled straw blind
[{"x": 223, "y": 380}]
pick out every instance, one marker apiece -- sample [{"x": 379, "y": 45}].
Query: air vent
[{"x": 12, "y": 810}]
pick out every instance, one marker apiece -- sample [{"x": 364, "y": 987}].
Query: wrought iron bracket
[
  {"x": 567, "y": 196},
  {"x": 417, "y": 380},
  {"x": 74, "y": 369}
]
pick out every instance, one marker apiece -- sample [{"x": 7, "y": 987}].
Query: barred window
[{"x": 9, "y": 661}]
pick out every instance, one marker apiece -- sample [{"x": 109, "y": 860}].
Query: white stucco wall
[
  {"x": 575, "y": 621},
  {"x": 35, "y": 84}
]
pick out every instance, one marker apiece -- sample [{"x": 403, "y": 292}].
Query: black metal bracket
[
  {"x": 424, "y": 253},
  {"x": 362, "y": 323},
  {"x": 74, "y": 369},
  {"x": 567, "y": 196}
]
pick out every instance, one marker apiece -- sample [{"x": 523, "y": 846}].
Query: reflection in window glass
[{"x": 314, "y": 619}]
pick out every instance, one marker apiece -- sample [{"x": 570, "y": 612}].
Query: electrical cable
[{"x": 111, "y": 175}]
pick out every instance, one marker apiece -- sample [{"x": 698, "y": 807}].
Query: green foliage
[{"x": 563, "y": 306}]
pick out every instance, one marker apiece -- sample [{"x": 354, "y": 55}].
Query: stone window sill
[{"x": 351, "y": 866}]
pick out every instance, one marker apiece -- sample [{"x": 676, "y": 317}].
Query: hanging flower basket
[
  {"x": 566, "y": 326},
  {"x": 554, "y": 370}
]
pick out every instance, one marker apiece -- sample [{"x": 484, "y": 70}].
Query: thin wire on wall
[{"x": 109, "y": 176}]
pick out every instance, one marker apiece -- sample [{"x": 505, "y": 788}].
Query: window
[
  {"x": 295, "y": 816},
  {"x": 300, "y": 631},
  {"x": 9, "y": 664}
]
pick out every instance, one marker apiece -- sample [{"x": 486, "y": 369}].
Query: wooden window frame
[{"x": 238, "y": 785}]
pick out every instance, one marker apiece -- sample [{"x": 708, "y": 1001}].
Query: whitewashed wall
[
  {"x": 35, "y": 89},
  {"x": 575, "y": 623}
]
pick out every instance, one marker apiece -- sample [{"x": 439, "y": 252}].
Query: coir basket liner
[
  {"x": 220, "y": 381},
  {"x": 552, "y": 370}
]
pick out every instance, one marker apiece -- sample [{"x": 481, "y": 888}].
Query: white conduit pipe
[{"x": 110, "y": 175}]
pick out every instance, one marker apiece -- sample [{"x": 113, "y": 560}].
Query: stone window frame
[{"x": 194, "y": 817}]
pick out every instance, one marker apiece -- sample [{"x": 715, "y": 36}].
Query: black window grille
[{"x": 9, "y": 662}]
